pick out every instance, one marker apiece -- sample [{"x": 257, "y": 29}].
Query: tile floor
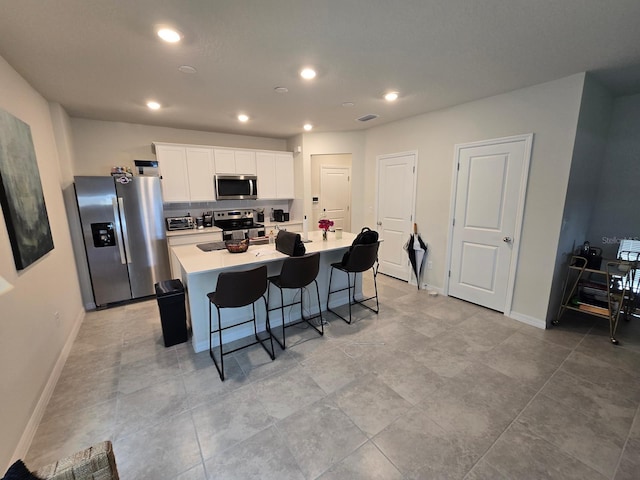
[{"x": 433, "y": 387}]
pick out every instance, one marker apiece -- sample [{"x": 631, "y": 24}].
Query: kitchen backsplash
[{"x": 196, "y": 208}]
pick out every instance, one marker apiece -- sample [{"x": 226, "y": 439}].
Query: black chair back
[
  {"x": 362, "y": 257},
  {"x": 298, "y": 272},
  {"x": 237, "y": 289}
]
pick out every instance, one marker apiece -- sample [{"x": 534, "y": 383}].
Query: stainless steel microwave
[{"x": 236, "y": 187}]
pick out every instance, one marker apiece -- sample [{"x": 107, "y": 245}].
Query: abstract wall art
[{"x": 21, "y": 197}]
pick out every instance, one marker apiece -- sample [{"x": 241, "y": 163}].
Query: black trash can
[{"x": 173, "y": 315}]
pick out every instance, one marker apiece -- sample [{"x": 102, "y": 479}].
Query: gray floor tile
[
  {"x": 195, "y": 473},
  {"x": 332, "y": 370},
  {"x": 419, "y": 448},
  {"x": 591, "y": 440},
  {"x": 160, "y": 452},
  {"x": 366, "y": 463},
  {"x": 287, "y": 392},
  {"x": 150, "y": 405},
  {"x": 521, "y": 454},
  {"x": 593, "y": 400},
  {"x": 228, "y": 420},
  {"x": 203, "y": 384},
  {"x": 320, "y": 436},
  {"x": 265, "y": 456},
  {"x": 148, "y": 371},
  {"x": 370, "y": 403}
]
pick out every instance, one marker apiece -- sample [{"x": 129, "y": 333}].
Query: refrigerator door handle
[
  {"x": 123, "y": 220},
  {"x": 117, "y": 230}
]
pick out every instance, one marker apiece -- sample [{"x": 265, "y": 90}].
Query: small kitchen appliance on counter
[
  {"x": 179, "y": 223},
  {"x": 278, "y": 215}
]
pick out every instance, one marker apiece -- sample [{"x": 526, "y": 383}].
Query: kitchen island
[{"x": 200, "y": 272}]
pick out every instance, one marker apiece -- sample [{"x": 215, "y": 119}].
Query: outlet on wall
[{"x": 56, "y": 317}]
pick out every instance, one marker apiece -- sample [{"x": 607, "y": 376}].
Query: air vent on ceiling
[{"x": 366, "y": 118}]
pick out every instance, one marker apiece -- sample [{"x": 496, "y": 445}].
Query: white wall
[
  {"x": 33, "y": 343},
  {"x": 550, "y": 112},
  {"x": 588, "y": 157},
  {"x": 616, "y": 214},
  {"x": 99, "y": 145}
]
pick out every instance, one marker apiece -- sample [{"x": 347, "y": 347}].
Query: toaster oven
[{"x": 179, "y": 223}]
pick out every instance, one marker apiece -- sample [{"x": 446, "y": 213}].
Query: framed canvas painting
[{"x": 21, "y": 197}]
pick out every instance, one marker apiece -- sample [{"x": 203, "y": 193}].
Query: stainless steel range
[{"x": 237, "y": 224}]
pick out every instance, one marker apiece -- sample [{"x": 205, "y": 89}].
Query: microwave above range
[{"x": 236, "y": 187}]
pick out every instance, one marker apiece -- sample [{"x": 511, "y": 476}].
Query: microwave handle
[{"x": 253, "y": 187}]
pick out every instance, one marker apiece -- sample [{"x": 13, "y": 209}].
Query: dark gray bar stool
[
  {"x": 361, "y": 259},
  {"x": 234, "y": 290},
  {"x": 297, "y": 273}
]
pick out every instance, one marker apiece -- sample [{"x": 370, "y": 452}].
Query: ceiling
[{"x": 101, "y": 59}]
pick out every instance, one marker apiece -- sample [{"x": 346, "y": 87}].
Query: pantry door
[{"x": 491, "y": 179}]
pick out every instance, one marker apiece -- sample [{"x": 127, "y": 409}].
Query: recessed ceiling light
[
  {"x": 308, "y": 73},
  {"x": 348, "y": 104},
  {"x": 307, "y": 126},
  {"x": 391, "y": 96},
  {"x": 281, "y": 89},
  {"x": 187, "y": 69},
  {"x": 243, "y": 118},
  {"x": 153, "y": 105},
  {"x": 169, "y": 35}
]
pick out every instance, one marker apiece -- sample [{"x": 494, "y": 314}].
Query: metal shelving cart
[{"x": 604, "y": 293}]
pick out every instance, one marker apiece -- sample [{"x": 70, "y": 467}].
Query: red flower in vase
[{"x": 325, "y": 224}]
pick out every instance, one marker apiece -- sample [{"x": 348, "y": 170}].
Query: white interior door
[
  {"x": 490, "y": 189},
  {"x": 335, "y": 191},
  {"x": 395, "y": 208}
]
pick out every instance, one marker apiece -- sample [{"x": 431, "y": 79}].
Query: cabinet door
[
  {"x": 225, "y": 161},
  {"x": 284, "y": 175},
  {"x": 200, "y": 171},
  {"x": 172, "y": 162},
  {"x": 266, "y": 172},
  {"x": 245, "y": 162}
]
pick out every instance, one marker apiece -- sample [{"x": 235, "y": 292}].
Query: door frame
[
  {"x": 386, "y": 156},
  {"x": 348, "y": 168},
  {"x": 513, "y": 266}
]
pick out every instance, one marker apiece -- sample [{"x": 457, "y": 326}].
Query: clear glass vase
[{"x": 324, "y": 234}]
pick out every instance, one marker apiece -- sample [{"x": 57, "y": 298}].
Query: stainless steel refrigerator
[{"x": 124, "y": 236}]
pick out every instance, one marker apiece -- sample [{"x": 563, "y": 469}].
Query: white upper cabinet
[
  {"x": 235, "y": 161},
  {"x": 266, "y": 167},
  {"x": 200, "y": 168},
  {"x": 284, "y": 175},
  {"x": 188, "y": 171},
  {"x": 275, "y": 175},
  {"x": 172, "y": 164}
]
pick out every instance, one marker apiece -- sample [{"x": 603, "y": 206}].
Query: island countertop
[
  {"x": 200, "y": 272},
  {"x": 194, "y": 261}
]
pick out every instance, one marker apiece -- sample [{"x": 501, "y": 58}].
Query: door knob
[
  {"x": 379, "y": 222},
  {"x": 507, "y": 239}
]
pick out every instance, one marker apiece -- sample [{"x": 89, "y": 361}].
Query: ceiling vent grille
[{"x": 366, "y": 118}]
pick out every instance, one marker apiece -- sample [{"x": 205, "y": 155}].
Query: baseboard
[
  {"x": 32, "y": 425},
  {"x": 534, "y": 322}
]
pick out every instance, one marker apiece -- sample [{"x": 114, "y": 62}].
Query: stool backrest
[
  {"x": 362, "y": 257},
  {"x": 237, "y": 289},
  {"x": 298, "y": 272}
]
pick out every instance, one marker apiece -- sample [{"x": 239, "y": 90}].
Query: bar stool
[
  {"x": 297, "y": 273},
  {"x": 362, "y": 258},
  {"x": 234, "y": 290}
]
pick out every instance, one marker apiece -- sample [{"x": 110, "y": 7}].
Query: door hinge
[
  {"x": 348, "y": 208},
  {"x": 458, "y": 166},
  {"x": 348, "y": 178},
  {"x": 414, "y": 169},
  {"x": 449, "y": 273},
  {"x": 454, "y": 222}
]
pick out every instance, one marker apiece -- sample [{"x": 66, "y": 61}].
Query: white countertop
[
  {"x": 194, "y": 260},
  {"x": 193, "y": 231}
]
